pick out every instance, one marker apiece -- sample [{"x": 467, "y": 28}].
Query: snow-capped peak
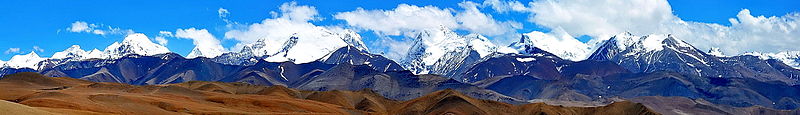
[
  {"x": 439, "y": 50},
  {"x": 257, "y": 48},
  {"x": 354, "y": 39},
  {"x": 94, "y": 54},
  {"x": 435, "y": 43},
  {"x": 73, "y": 52},
  {"x": 481, "y": 44},
  {"x": 558, "y": 42},
  {"x": 623, "y": 40},
  {"x": 30, "y": 60},
  {"x": 134, "y": 44},
  {"x": 208, "y": 52}
]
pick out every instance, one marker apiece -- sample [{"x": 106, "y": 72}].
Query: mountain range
[{"x": 624, "y": 67}]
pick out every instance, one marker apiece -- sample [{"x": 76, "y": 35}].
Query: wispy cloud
[
  {"x": 99, "y": 29},
  {"x": 12, "y": 50},
  {"x": 223, "y": 14},
  {"x": 37, "y": 48}
]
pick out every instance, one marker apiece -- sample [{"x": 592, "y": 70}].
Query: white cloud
[
  {"x": 404, "y": 18},
  {"x": 506, "y": 6},
  {"x": 99, "y": 29},
  {"x": 207, "y": 44},
  {"x": 473, "y": 20},
  {"x": 79, "y": 26},
  {"x": 292, "y": 11},
  {"x": 292, "y": 20},
  {"x": 223, "y": 13},
  {"x": 161, "y": 38},
  {"x": 165, "y": 33},
  {"x": 764, "y": 34},
  {"x": 37, "y": 48},
  {"x": 602, "y": 18},
  {"x": 391, "y": 48},
  {"x": 407, "y": 19},
  {"x": 12, "y": 50}
]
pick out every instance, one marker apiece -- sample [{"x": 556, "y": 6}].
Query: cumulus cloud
[
  {"x": 404, "y": 18},
  {"x": 473, "y": 20},
  {"x": 410, "y": 18},
  {"x": 292, "y": 11},
  {"x": 99, "y": 29},
  {"x": 293, "y": 20},
  {"x": 602, "y": 18},
  {"x": 12, "y": 50},
  {"x": 205, "y": 43},
  {"x": 79, "y": 26}
]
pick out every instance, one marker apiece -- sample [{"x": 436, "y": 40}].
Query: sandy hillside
[{"x": 32, "y": 93}]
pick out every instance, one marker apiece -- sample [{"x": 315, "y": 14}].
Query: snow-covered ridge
[
  {"x": 309, "y": 46},
  {"x": 633, "y": 45},
  {"x": 558, "y": 42},
  {"x": 30, "y": 60},
  {"x": 715, "y": 52},
  {"x": 75, "y": 53},
  {"x": 137, "y": 44},
  {"x": 791, "y": 58}
]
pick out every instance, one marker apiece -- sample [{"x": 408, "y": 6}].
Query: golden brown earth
[{"x": 32, "y": 93}]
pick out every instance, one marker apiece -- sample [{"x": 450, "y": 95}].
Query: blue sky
[{"x": 28, "y": 24}]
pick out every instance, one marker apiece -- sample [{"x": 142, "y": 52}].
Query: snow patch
[{"x": 526, "y": 59}]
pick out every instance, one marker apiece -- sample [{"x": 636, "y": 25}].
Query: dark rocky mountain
[
  {"x": 345, "y": 69},
  {"x": 354, "y": 56},
  {"x": 543, "y": 66},
  {"x": 737, "y": 92}
]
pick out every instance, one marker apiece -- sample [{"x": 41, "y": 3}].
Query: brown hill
[
  {"x": 44, "y": 95},
  {"x": 683, "y": 105}
]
